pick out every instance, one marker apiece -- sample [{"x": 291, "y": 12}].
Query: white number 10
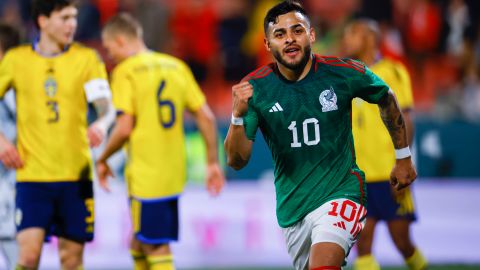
[{"x": 306, "y": 140}]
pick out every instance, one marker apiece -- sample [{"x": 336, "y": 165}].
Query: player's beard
[{"x": 296, "y": 66}]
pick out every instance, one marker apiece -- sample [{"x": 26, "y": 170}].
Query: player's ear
[
  {"x": 266, "y": 43},
  {"x": 121, "y": 40},
  {"x": 42, "y": 21},
  {"x": 312, "y": 34}
]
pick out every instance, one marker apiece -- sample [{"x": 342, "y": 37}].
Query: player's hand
[
  {"x": 95, "y": 135},
  {"x": 103, "y": 172},
  {"x": 9, "y": 155},
  {"x": 241, "y": 93},
  {"x": 403, "y": 173},
  {"x": 215, "y": 179}
]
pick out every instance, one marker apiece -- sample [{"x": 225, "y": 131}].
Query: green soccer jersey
[{"x": 307, "y": 126}]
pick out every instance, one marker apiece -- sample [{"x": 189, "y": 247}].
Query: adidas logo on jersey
[{"x": 276, "y": 108}]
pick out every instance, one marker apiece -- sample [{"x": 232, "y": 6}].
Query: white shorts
[
  {"x": 7, "y": 205},
  {"x": 337, "y": 221}
]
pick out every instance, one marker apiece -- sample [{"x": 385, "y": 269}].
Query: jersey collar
[{"x": 37, "y": 50}]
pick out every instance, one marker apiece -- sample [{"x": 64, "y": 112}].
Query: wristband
[
  {"x": 237, "y": 121},
  {"x": 402, "y": 153}
]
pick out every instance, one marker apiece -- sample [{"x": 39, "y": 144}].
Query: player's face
[
  {"x": 113, "y": 46},
  {"x": 353, "y": 40},
  {"x": 290, "y": 40},
  {"x": 60, "y": 25}
]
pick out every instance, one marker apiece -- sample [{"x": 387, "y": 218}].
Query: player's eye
[
  {"x": 66, "y": 18},
  {"x": 298, "y": 30},
  {"x": 278, "y": 34}
]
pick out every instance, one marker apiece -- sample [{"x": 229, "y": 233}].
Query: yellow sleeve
[
  {"x": 403, "y": 89},
  {"x": 6, "y": 74},
  {"x": 122, "y": 89},
  {"x": 97, "y": 70}
]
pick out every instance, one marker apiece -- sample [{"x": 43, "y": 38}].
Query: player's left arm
[
  {"x": 408, "y": 118},
  {"x": 97, "y": 91},
  {"x": 208, "y": 128},
  {"x": 403, "y": 173},
  {"x": 106, "y": 116}
]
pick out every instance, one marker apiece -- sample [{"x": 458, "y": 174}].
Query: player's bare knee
[
  {"x": 71, "y": 262},
  {"x": 135, "y": 244},
  {"x": 156, "y": 249},
  {"x": 70, "y": 258},
  {"x": 29, "y": 260}
]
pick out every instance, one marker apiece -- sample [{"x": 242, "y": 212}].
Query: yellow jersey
[
  {"x": 156, "y": 89},
  {"x": 373, "y": 145},
  {"x": 51, "y": 99}
]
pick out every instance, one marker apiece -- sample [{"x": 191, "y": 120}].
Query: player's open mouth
[{"x": 292, "y": 51}]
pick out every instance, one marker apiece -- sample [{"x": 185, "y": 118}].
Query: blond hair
[{"x": 124, "y": 23}]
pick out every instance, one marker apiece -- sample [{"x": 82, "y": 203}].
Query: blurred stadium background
[{"x": 221, "y": 40}]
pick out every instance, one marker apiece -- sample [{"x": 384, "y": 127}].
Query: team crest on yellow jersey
[{"x": 50, "y": 86}]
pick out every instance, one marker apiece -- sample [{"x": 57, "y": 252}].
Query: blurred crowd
[{"x": 222, "y": 40}]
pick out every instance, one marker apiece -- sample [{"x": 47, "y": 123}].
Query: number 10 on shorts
[{"x": 349, "y": 212}]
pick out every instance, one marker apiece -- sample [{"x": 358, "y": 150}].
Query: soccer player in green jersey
[{"x": 302, "y": 105}]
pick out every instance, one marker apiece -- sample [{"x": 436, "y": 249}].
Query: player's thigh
[
  {"x": 326, "y": 254},
  {"x": 338, "y": 221},
  {"x": 30, "y": 242},
  {"x": 155, "y": 221},
  {"x": 75, "y": 211}
]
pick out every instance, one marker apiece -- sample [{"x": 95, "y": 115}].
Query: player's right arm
[
  {"x": 120, "y": 134},
  {"x": 237, "y": 146},
  {"x": 122, "y": 90},
  {"x": 207, "y": 126},
  {"x": 8, "y": 152}
]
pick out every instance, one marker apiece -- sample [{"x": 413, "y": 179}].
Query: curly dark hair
[{"x": 280, "y": 9}]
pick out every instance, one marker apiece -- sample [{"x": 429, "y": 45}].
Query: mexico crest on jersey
[
  {"x": 328, "y": 100},
  {"x": 50, "y": 87}
]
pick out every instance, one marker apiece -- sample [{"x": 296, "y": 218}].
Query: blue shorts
[
  {"x": 155, "y": 221},
  {"x": 63, "y": 209},
  {"x": 382, "y": 204}
]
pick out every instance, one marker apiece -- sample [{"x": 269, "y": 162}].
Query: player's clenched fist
[
  {"x": 403, "y": 173},
  {"x": 241, "y": 93}
]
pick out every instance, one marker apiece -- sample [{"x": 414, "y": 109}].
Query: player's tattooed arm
[
  {"x": 393, "y": 119},
  {"x": 403, "y": 173},
  {"x": 105, "y": 118}
]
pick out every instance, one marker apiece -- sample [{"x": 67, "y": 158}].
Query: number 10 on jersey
[{"x": 307, "y": 124}]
